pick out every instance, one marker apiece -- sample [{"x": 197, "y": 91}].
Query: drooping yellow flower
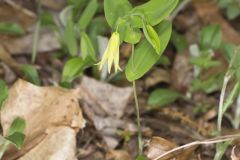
[{"x": 111, "y": 54}]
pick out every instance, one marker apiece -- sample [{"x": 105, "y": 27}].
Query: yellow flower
[{"x": 111, "y": 54}]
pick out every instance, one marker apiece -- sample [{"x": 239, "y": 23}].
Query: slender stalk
[
  {"x": 221, "y": 101},
  {"x": 180, "y": 7},
  {"x": 36, "y": 35},
  {"x": 140, "y": 145}
]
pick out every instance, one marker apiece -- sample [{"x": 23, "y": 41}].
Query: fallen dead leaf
[
  {"x": 118, "y": 155},
  {"x": 8, "y": 60},
  {"x": 22, "y": 16},
  {"x": 59, "y": 144},
  {"x": 157, "y": 76},
  {"x": 158, "y": 146},
  {"x": 105, "y": 104},
  {"x": 22, "y": 45},
  {"x": 182, "y": 72},
  {"x": 112, "y": 99},
  {"x": 235, "y": 154},
  {"x": 43, "y": 108}
]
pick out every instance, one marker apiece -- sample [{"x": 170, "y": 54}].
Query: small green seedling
[{"x": 15, "y": 133}]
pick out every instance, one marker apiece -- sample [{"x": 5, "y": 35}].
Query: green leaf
[
  {"x": 228, "y": 49},
  {"x": 211, "y": 37},
  {"x": 11, "y": 29},
  {"x": 156, "y": 10},
  {"x": 87, "y": 15},
  {"x": 3, "y": 92},
  {"x": 162, "y": 97},
  {"x": 18, "y": 125},
  {"x": 72, "y": 69},
  {"x": 145, "y": 56},
  {"x": 128, "y": 33},
  {"x": 221, "y": 149},
  {"x": 46, "y": 18},
  {"x": 66, "y": 14},
  {"x": 31, "y": 74},
  {"x": 114, "y": 9},
  {"x": 152, "y": 37},
  {"x": 179, "y": 41},
  {"x": 17, "y": 139},
  {"x": 141, "y": 157},
  {"x": 87, "y": 49},
  {"x": 70, "y": 39},
  {"x": 233, "y": 11}
]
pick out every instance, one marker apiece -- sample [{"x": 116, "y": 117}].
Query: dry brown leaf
[
  {"x": 59, "y": 144},
  {"x": 22, "y": 16},
  {"x": 235, "y": 154},
  {"x": 182, "y": 72},
  {"x": 42, "y": 108},
  {"x": 112, "y": 99},
  {"x": 157, "y": 76},
  {"x": 8, "y": 60},
  {"x": 22, "y": 45},
  {"x": 54, "y": 4},
  {"x": 118, "y": 155},
  {"x": 104, "y": 104},
  {"x": 158, "y": 146}
]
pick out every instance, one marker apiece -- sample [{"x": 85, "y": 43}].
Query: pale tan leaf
[{"x": 42, "y": 108}]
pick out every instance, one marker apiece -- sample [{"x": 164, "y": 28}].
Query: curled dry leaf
[
  {"x": 235, "y": 154},
  {"x": 118, "y": 155},
  {"x": 158, "y": 146},
  {"x": 43, "y": 108}
]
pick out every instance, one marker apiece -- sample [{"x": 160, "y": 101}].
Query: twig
[
  {"x": 205, "y": 142},
  {"x": 179, "y": 9},
  {"x": 17, "y": 6}
]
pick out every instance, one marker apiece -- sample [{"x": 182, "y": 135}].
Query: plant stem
[
  {"x": 36, "y": 34},
  {"x": 140, "y": 146},
  {"x": 221, "y": 101},
  {"x": 180, "y": 7}
]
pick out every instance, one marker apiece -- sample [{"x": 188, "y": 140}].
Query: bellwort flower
[{"x": 111, "y": 54}]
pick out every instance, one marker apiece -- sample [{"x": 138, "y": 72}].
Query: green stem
[
  {"x": 140, "y": 145},
  {"x": 36, "y": 35}
]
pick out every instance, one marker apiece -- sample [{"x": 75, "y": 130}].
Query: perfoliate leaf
[
  {"x": 145, "y": 56},
  {"x": 152, "y": 37},
  {"x": 128, "y": 33},
  {"x": 156, "y": 10},
  {"x": 3, "y": 92},
  {"x": 114, "y": 9},
  {"x": 162, "y": 97}
]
